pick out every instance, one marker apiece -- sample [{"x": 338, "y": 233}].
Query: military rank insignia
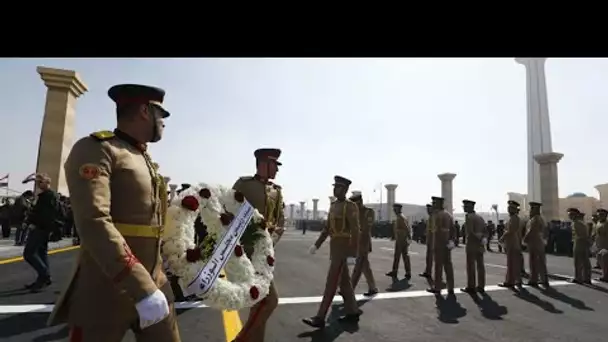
[{"x": 89, "y": 171}]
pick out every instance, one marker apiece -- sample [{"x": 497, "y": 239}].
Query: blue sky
[{"x": 375, "y": 121}]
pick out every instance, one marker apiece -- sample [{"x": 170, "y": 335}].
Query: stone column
[
  {"x": 447, "y": 190},
  {"x": 302, "y": 210},
  {"x": 390, "y": 200},
  {"x": 173, "y": 193},
  {"x": 602, "y": 189},
  {"x": 315, "y": 208},
  {"x": 549, "y": 189},
  {"x": 57, "y": 134},
  {"x": 292, "y": 213}
]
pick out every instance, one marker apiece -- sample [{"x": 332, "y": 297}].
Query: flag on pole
[
  {"x": 30, "y": 178},
  {"x": 4, "y": 181},
  {"x": 5, "y": 177}
]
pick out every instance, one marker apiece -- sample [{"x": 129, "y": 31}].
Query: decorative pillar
[
  {"x": 549, "y": 189},
  {"x": 315, "y": 208},
  {"x": 602, "y": 189},
  {"x": 447, "y": 190},
  {"x": 173, "y": 193},
  {"x": 539, "y": 126},
  {"x": 57, "y": 134},
  {"x": 390, "y": 200},
  {"x": 302, "y": 210},
  {"x": 292, "y": 211}
]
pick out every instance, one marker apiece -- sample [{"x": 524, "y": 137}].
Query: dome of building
[{"x": 577, "y": 194}]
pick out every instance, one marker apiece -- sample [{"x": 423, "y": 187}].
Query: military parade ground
[{"x": 403, "y": 311}]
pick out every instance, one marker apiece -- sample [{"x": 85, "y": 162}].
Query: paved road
[{"x": 402, "y": 312}]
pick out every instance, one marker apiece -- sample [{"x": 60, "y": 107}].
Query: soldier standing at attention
[
  {"x": 366, "y": 221},
  {"x": 601, "y": 242},
  {"x": 443, "y": 244},
  {"x": 475, "y": 231},
  {"x": 536, "y": 240},
  {"x": 582, "y": 245},
  {"x": 430, "y": 231},
  {"x": 511, "y": 239},
  {"x": 267, "y": 198},
  {"x": 403, "y": 238},
  {"x": 343, "y": 229},
  {"x": 119, "y": 283}
]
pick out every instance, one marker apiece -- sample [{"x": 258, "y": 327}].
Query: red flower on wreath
[
  {"x": 205, "y": 193},
  {"x": 193, "y": 255},
  {"x": 190, "y": 203},
  {"x": 239, "y": 197},
  {"x": 270, "y": 261},
  {"x": 254, "y": 292},
  {"x": 238, "y": 251},
  {"x": 226, "y": 218}
]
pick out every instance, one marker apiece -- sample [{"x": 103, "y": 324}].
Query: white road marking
[
  {"x": 392, "y": 250},
  {"x": 41, "y": 308},
  {"x": 497, "y": 266}
]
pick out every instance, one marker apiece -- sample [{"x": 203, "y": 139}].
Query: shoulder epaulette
[
  {"x": 103, "y": 135},
  {"x": 246, "y": 178}
]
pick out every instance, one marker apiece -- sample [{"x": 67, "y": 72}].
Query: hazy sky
[{"x": 375, "y": 121}]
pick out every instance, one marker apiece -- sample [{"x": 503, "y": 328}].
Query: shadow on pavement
[
  {"x": 575, "y": 303},
  {"x": 533, "y": 299},
  {"x": 335, "y": 328},
  {"x": 15, "y": 325},
  {"x": 488, "y": 307},
  {"x": 449, "y": 309},
  {"x": 399, "y": 285}
]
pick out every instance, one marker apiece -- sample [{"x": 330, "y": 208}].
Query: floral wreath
[{"x": 246, "y": 281}]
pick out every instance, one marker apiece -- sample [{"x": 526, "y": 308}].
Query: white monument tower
[{"x": 539, "y": 127}]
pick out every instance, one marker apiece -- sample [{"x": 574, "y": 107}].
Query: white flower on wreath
[{"x": 246, "y": 281}]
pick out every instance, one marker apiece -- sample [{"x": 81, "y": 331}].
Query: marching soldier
[
  {"x": 443, "y": 244},
  {"x": 267, "y": 198},
  {"x": 601, "y": 242},
  {"x": 582, "y": 245},
  {"x": 511, "y": 240},
  {"x": 475, "y": 231},
  {"x": 343, "y": 229},
  {"x": 366, "y": 220},
  {"x": 118, "y": 283},
  {"x": 403, "y": 238},
  {"x": 430, "y": 231},
  {"x": 536, "y": 240}
]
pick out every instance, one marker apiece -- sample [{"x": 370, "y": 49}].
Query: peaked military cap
[
  {"x": 535, "y": 204},
  {"x": 602, "y": 210},
  {"x": 123, "y": 94},
  {"x": 574, "y": 210},
  {"x": 339, "y": 180},
  {"x": 355, "y": 198},
  {"x": 268, "y": 154},
  {"x": 397, "y": 205},
  {"x": 513, "y": 203},
  {"x": 469, "y": 202},
  {"x": 429, "y": 205},
  {"x": 437, "y": 199}
]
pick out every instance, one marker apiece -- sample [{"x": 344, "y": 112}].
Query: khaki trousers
[
  {"x": 514, "y": 261},
  {"x": 338, "y": 274},
  {"x": 443, "y": 262},
  {"x": 582, "y": 264},
  {"x": 538, "y": 265},
  {"x": 429, "y": 255},
  {"x": 254, "y": 329},
  {"x": 362, "y": 266},
  {"x": 475, "y": 266},
  {"x": 401, "y": 252}
]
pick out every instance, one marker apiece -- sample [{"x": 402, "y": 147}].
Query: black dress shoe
[
  {"x": 468, "y": 290},
  {"x": 408, "y": 276},
  {"x": 532, "y": 283},
  {"x": 39, "y": 283},
  {"x": 431, "y": 290},
  {"x": 351, "y": 317},
  {"x": 424, "y": 275},
  {"x": 371, "y": 293},
  {"x": 545, "y": 284},
  {"x": 391, "y": 274},
  {"x": 480, "y": 289},
  {"x": 315, "y": 322},
  {"x": 506, "y": 285}
]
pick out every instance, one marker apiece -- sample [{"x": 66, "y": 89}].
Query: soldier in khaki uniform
[
  {"x": 476, "y": 235},
  {"x": 430, "y": 230},
  {"x": 403, "y": 238},
  {"x": 601, "y": 242},
  {"x": 343, "y": 229},
  {"x": 443, "y": 243},
  {"x": 118, "y": 283},
  {"x": 267, "y": 198},
  {"x": 511, "y": 239},
  {"x": 582, "y": 245},
  {"x": 536, "y": 240},
  {"x": 366, "y": 221}
]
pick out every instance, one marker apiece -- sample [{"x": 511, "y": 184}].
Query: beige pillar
[
  {"x": 447, "y": 180},
  {"x": 602, "y": 189},
  {"x": 57, "y": 135},
  {"x": 549, "y": 189},
  {"x": 173, "y": 193},
  {"x": 292, "y": 213},
  {"x": 302, "y": 210},
  {"x": 315, "y": 208},
  {"x": 390, "y": 200}
]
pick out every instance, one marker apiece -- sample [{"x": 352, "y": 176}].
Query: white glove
[
  {"x": 351, "y": 261},
  {"x": 450, "y": 244},
  {"x": 152, "y": 309},
  {"x": 484, "y": 241},
  {"x": 312, "y": 249}
]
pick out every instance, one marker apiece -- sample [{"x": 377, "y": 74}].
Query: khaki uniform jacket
[
  {"x": 401, "y": 229},
  {"x": 366, "y": 220},
  {"x": 266, "y": 197},
  {"x": 430, "y": 231},
  {"x": 112, "y": 183},
  {"x": 443, "y": 224},
  {"x": 580, "y": 236},
  {"x": 475, "y": 230},
  {"x": 512, "y": 236},
  {"x": 343, "y": 229},
  {"x": 536, "y": 232},
  {"x": 601, "y": 235}
]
